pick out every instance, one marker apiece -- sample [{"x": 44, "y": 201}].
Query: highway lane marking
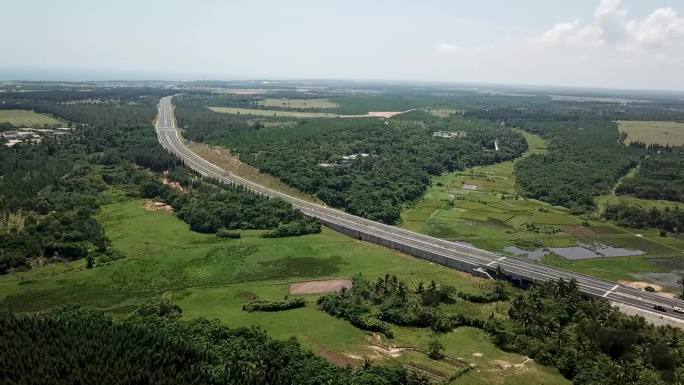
[
  {"x": 610, "y": 291},
  {"x": 495, "y": 261}
]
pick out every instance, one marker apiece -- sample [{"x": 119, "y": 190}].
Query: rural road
[{"x": 452, "y": 254}]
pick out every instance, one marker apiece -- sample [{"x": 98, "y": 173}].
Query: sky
[{"x": 633, "y": 44}]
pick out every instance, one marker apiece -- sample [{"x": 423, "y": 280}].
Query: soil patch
[
  {"x": 174, "y": 185},
  {"x": 157, "y": 206},
  {"x": 579, "y": 231},
  {"x": 320, "y": 287},
  {"x": 337, "y": 359},
  {"x": 384, "y": 352},
  {"x": 642, "y": 285}
]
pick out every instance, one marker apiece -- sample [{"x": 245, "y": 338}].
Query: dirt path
[{"x": 320, "y": 286}]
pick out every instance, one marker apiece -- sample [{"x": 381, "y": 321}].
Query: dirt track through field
[{"x": 320, "y": 287}]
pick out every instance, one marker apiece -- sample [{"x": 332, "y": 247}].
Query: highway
[{"x": 453, "y": 254}]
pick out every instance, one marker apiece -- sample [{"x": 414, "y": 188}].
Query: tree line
[
  {"x": 72, "y": 345},
  {"x": 626, "y": 214}
]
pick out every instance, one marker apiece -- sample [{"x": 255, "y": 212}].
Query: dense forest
[
  {"x": 660, "y": 176},
  {"x": 583, "y": 160},
  {"x": 589, "y": 341},
  {"x": 369, "y": 167},
  {"x": 72, "y": 345},
  {"x": 51, "y": 191}
]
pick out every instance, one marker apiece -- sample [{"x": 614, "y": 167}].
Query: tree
[{"x": 435, "y": 349}]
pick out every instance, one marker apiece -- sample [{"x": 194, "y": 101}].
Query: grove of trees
[
  {"x": 388, "y": 162},
  {"x": 72, "y": 345}
]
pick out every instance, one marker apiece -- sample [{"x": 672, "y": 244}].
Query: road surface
[{"x": 453, "y": 254}]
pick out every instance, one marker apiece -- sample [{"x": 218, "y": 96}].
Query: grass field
[
  {"x": 493, "y": 216},
  {"x": 299, "y": 104},
  {"x": 653, "y": 132},
  {"x": 25, "y": 118},
  {"x": 273, "y": 113},
  {"x": 213, "y": 278}
]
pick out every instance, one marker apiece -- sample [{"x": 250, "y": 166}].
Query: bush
[
  {"x": 264, "y": 305},
  {"x": 294, "y": 228},
  {"x": 159, "y": 306},
  {"x": 225, "y": 233},
  {"x": 372, "y": 324},
  {"x": 435, "y": 349}
]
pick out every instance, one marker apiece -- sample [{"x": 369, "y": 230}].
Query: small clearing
[
  {"x": 298, "y": 104},
  {"x": 173, "y": 184},
  {"x": 26, "y": 118},
  {"x": 157, "y": 206},
  {"x": 320, "y": 287}
]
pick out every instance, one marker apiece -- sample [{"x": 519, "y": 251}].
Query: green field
[
  {"x": 653, "y": 132},
  {"x": 25, "y": 118},
  {"x": 211, "y": 277},
  {"x": 298, "y": 104},
  {"x": 272, "y": 113},
  {"x": 493, "y": 216}
]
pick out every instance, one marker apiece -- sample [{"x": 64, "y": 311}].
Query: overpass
[{"x": 456, "y": 255}]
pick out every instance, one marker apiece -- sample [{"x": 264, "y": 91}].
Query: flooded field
[{"x": 581, "y": 251}]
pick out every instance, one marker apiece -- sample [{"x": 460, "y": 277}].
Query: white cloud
[
  {"x": 448, "y": 48},
  {"x": 611, "y": 28},
  {"x": 661, "y": 29},
  {"x": 611, "y": 49}
]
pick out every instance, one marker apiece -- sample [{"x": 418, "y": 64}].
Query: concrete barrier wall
[{"x": 405, "y": 248}]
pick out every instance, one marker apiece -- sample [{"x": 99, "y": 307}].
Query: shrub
[
  {"x": 225, "y": 233},
  {"x": 435, "y": 349},
  {"x": 265, "y": 305}
]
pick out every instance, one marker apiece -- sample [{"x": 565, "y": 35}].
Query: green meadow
[
  {"x": 25, "y": 118},
  {"x": 211, "y": 277}
]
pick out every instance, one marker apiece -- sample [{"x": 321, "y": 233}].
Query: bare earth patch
[
  {"x": 580, "y": 231},
  {"x": 334, "y": 358},
  {"x": 174, "y": 185},
  {"x": 642, "y": 285},
  {"x": 375, "y": 114},
  {"x": 157, "y": 206},
  {"x": 320, "y": 287},
  {"x": 382, "y": 352}
]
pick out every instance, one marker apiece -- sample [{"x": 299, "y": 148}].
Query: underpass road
[{"x": 467, "y": 257}]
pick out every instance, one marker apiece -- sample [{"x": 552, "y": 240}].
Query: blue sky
[{"x": 608, "y": 43}]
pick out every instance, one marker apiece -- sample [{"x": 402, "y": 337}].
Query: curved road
[{"x": 453, "y": 254}]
